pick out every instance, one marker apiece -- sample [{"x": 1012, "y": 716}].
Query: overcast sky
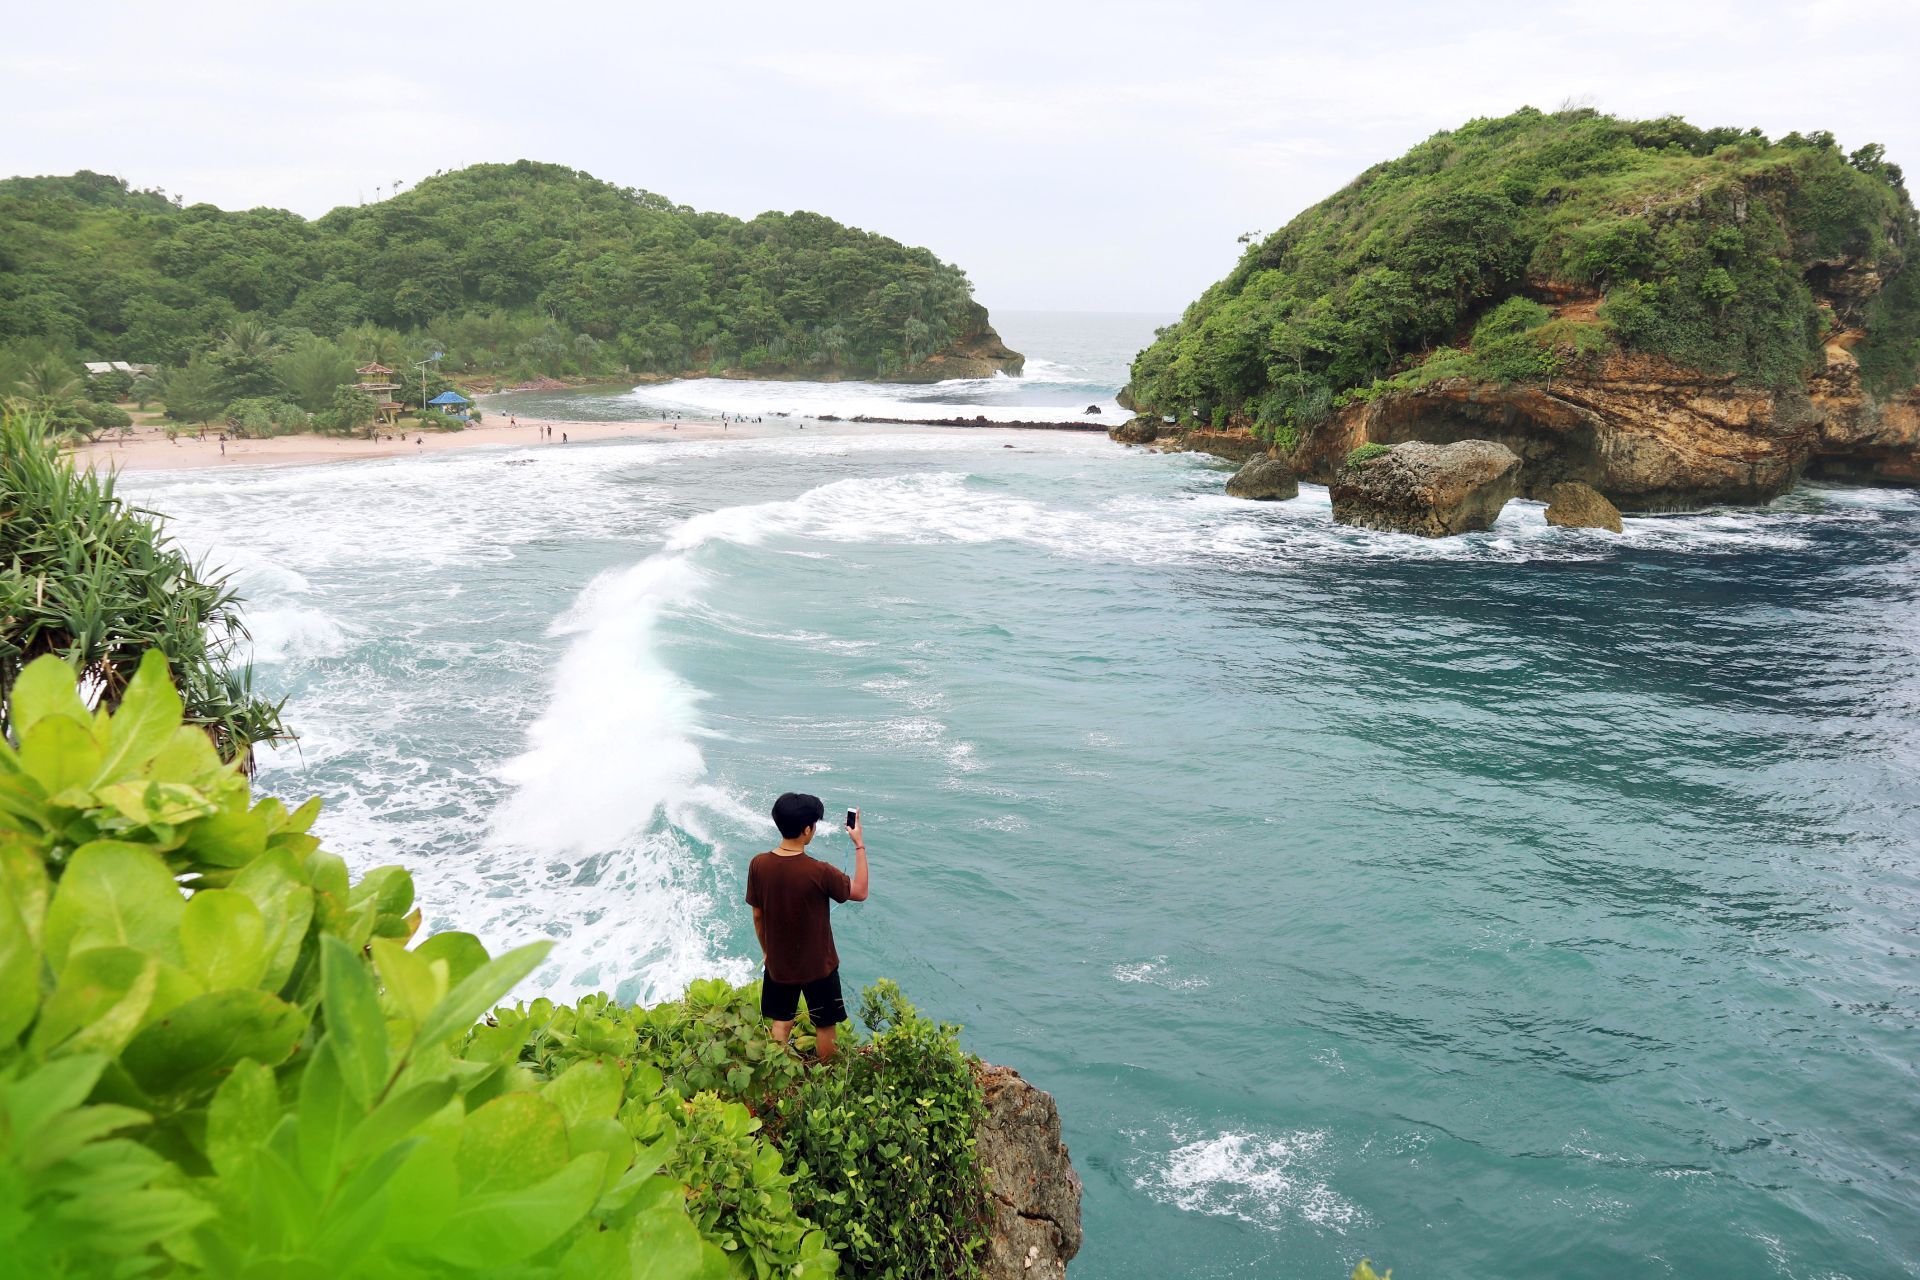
[{"x": 1097, "y": 156}]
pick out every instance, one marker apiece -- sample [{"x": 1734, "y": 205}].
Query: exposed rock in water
[
  {"x": 1144, "y": 429},
  {"x": 1577, "y": 506},
  {"x": 977, "y": 353},
  {"x": 1648, "y": 434},
  {"x": 1036, "y": 1193},
  {"x": 1264, "y": 479},
  {"x": 1430, "y": 490},
  {"x": 1093, "y": 408}
]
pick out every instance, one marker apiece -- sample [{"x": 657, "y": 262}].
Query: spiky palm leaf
[{"x": 96, "y": 581}]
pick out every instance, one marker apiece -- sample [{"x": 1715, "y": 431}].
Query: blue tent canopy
[{"x": 448, "y": 397}]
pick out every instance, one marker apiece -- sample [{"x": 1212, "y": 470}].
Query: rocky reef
[
  {"x": 1430, "y": 490},
  {"x": 1573, "y": 505},
  {"x": 1036, "y": 1194},
  {"x": 1264, "y": 479}
]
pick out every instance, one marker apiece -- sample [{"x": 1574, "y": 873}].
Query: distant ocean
[{"x": 1536, "y": 903}]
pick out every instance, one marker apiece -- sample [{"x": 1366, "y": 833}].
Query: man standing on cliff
[{"x": 792, "y": 895}]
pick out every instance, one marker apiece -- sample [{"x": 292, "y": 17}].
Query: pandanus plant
[{"x": 97, "y": 582}]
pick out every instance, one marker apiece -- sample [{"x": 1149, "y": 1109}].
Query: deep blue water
[{"x": 1535, "y": 903}]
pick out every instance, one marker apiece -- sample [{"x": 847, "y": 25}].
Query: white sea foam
[
  {"x": 1157, "y": 972},
  {"x": 1267, "y": 1180}
]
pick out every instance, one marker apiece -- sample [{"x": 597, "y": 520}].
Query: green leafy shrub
[
  {"x": 885, "y": 1146},
  {"x": 219, "y": 1057},
  {"x": 1366, "y": 453}
]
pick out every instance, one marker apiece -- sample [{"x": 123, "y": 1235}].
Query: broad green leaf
[
  {"x": 97, "y": 1005},
  {"x": 61, "y": 754},
  {"x": 301, "y": 820},
  {"x": 585, "y": 1091},
  {"x": 414, "y": 984},
  {"x": 480, "y": 991},
  {"x": 241, "y": 1116},
  {"x": 224, "y": 938},
  {"x": 327, "y": 1115},
  {"x": 397, "y": 1118},
  {"x": 273, "y": 883},
  {"x": 356, "y": 1030},
  {"x": 187, "y": 756},
  {"x": 23, "y": 904},
  {"x": 390, "y": 889},
  {"x": 153, "y": 804},
  {"x": 46, "y": 687},
  {"x": 114, "y": 895},
  {"x": 513, "y": 1142},
  {"x": 463, "y": 953},
  {"x": 210, "y": 1034},
  {"x": 148, "y": 713},
  {"x": 505, "y": 1227},
  {"x": 229, "y": 838},
  {"x": 665, "y": 1246},
  {"x": 172, "y": 987}
]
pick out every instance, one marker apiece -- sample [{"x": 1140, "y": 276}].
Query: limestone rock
[
  {"x": 1093, "y": 408},
  {"x": 1265, "y": 479},
  {"x": 1580, "y": 506},
  {"x": 1426, "y": 489},
  {"x": 1650, "y": 434},
  {"x": 1036, "y": 1193},
  {"x": 1144, "y": 429}
]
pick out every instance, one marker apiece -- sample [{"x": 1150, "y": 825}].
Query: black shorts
[{"x": 781, "y": 1000}]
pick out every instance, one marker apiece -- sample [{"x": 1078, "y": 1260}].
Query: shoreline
[{"x": 150, "y": 450}]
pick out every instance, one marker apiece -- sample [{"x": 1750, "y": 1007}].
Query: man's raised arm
[{"x": 859, "y": 891}]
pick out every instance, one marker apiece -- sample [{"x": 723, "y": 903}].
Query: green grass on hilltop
[{"x": 1717, "y": 248}]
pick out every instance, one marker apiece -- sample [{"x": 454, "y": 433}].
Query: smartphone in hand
[{"x": 853, "y": 819}]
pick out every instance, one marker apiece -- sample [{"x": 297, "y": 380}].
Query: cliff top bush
[{"x": 1716, "y": 248}]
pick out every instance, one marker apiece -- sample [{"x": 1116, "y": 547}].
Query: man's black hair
[{"x": 793, "y": 813}]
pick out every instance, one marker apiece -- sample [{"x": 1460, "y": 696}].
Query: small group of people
[{"x": 792, "y": 896}]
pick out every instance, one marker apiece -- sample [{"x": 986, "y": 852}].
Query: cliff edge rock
[{"x": 1036, "y": 1194}]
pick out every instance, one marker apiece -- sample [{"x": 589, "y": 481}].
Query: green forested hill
[
  {"x": 505, "y": 266},
  {"x": 1505, "y": 247}
]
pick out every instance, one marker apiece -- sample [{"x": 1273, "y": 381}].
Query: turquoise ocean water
[{"x": 1534, "y": 903}]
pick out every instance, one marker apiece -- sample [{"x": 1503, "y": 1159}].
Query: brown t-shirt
[{"x": 792, "y": 894}]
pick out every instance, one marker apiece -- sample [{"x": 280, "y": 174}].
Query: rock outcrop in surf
[{"x": 1430, "y": 490}]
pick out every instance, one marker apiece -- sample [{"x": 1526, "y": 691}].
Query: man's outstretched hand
[{"x": 858, "y": 836}]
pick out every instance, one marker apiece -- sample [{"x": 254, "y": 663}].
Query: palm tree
[
  {"x": 48, "y": 382},
  {"x": 247, "y": 336}
]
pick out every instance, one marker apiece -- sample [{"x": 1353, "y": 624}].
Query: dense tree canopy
[
  {"x": 1504, "y": 247},
  {"x": 511, "y": 268}
]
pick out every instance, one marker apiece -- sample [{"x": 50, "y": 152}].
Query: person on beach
[{"x": 791, "y": 894}]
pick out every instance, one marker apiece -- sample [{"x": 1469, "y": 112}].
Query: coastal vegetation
[
  {"x": 97, "y": 583},
  {"x": 513, "y": 271},
  {"x": 1510, "y": 248}
]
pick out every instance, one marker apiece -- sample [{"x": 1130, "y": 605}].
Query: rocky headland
[
  {"x": 1036, "y": 1193},
  {"x": 1719, "y": 318}
]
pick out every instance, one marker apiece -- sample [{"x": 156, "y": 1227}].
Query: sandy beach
[{"x": 148, "y": 449}]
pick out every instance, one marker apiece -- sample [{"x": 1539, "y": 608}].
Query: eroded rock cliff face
[
  {"x": 1648, "y": 435},
  {"x": 977, "y": 353},
  {"x": 1036, "y": 1193}
]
